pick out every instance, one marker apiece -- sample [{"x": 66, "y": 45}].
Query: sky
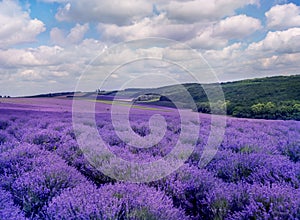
[{"x": 47, "y": 45}]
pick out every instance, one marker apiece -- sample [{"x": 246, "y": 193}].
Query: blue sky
[{"x": 45, "y": 45}]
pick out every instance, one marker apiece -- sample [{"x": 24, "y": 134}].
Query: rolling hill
[
  {"x": 270, "y": 98},
  {"x": 275, "y": 97}
]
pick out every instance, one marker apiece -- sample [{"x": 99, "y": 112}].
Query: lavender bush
[
  {"x": 8, "y": 210},
  {"x": 34, "y": 189},
  {"x": 255, "y": 168},
  {"x": 45, "y": 175},
  {"x": 119, "y": 201},
  {"x": 34, "y": 176},
  {"x": 270, "y": 202}
]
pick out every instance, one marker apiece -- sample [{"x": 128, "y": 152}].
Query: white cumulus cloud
[
  {"x": 16, "y": 26},
  {"x": 283, "y": 16},
  {"x": 111, "y": 12},
  {"x": 75, "y": 35},
  {"x": 237, "y": 27},
  {"x": 217, "y": 35},
  {"x": 156, "y": 26},
  {"x": 287, "y": 41},
  {"x": 200, "y": 10}
]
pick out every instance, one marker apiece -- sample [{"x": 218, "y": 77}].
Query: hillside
[{"x": 271, "y": 98}]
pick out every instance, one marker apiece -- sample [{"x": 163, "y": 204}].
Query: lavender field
[{"x": 44, "y": 174}]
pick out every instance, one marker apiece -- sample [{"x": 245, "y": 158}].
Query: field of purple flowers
[{"x": 45, "y": 175}]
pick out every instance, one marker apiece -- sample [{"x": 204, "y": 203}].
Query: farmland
[{"x": 46, "y": 174}]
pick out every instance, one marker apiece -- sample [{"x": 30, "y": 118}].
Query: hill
[{"x": 270, "y": 98}]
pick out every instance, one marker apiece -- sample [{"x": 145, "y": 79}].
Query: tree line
[{"x": 264, "y": 110}]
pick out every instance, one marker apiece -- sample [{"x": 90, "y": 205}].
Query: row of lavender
[{"x": 44, "y": 175}]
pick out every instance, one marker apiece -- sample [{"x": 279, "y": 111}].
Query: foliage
[{"x": 268, "y": 98}]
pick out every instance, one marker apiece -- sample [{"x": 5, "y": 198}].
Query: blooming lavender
[
  {"x": 33, "y": 189},
  {"x": 23, "y": 158},
  {"x": 255, "y": 168},
  {"x": 270, "y": 202},
  {"x": 45, "y": 175},
  {"x": 189, "y": 187},
  {"x": 118, "y": 201},
  {"x": 34, "y": 176},
  {"x": 8, "y": 210}
]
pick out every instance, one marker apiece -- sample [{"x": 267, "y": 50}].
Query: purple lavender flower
[
  {"x": 21, "y": 159},
  {"x": 119, "y": 201},
  {"x": 270, "y": 202},
  {"x": 33, "y": 189},
  {"x": 255, "y": 175},
  {"x": 188, "y": 187},
  {"x": 254, "y": 167},
  {"x": 8, "y": 210}
]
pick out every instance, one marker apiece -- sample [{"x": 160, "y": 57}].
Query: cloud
[
  {"x": 30, "y": 75},
  {"x": 287, "y": 41},
  {"x": 214, "y": 28},
  {"x": 75, "y": 35},
  {"x": 51, "y": 1},
  {"x": 236, "y": 27},
  {"x": 157, "y": 26},
  {"x": 283, "y": 16},
  {"x": 131, "y": 11},
  {"x": 197, "y": 35},
  {"x": 277, "y": 53},
  {"x": 279, "y": 64},
  {"x": 18, "y": 58},
  {"x": 16, "y": 26},
  {"x": 36, "y": 67},
  {"x": 229, "y": 62},
  {"x": 217, "y": 36},
  {"x": 227, "y": 53},
  {"x": 34, "y": 57},
  {"x": 57, "y": 36},
  {"x": 201, "y": 10},
  {"x": 110, "y": 12},
  {"x": 205, "y": 40}
]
